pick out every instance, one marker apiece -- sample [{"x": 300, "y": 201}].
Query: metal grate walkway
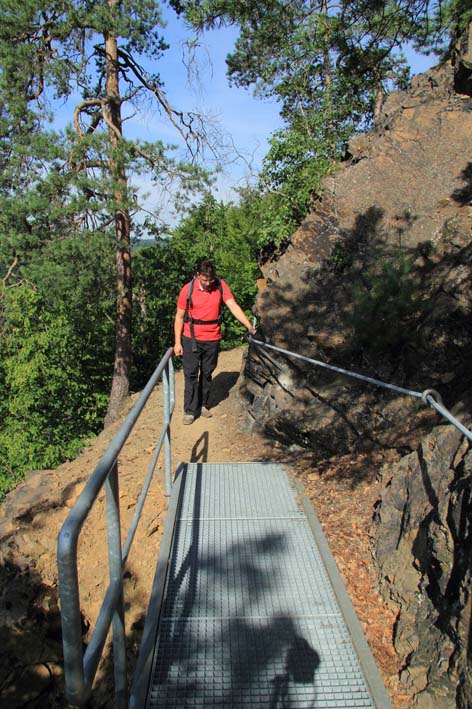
[{"x": 248, "y": 609}]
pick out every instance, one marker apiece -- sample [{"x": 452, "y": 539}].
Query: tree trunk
[
  {"x": 122, "y": 363},
  {"x": 328, "y": 76},
  {"x": 379, "y": 99},
  {"x": 325, "y": 32}
]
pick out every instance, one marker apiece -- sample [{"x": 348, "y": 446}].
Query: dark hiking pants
[{"x": 198, "y": 368}]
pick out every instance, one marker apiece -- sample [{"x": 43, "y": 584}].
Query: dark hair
[{"x": 206, "y": 268}]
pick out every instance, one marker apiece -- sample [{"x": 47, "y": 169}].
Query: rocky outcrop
[
  {"x": 377, "y": 280},
  {"x": 462, "y": 62},
  {"x": 424, "y": 552}
]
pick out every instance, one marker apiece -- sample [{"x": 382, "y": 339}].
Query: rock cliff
[{"x": 378, "y": 280}]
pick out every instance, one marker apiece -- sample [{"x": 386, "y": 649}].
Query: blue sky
[{"x": 242, "y": 119}]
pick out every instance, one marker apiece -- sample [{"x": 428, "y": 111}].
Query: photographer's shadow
[{"x": 296, "y": 687}]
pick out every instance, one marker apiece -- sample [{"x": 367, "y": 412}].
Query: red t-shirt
[{"x": 205, "y": 306}]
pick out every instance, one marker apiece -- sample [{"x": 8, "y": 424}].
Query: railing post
[
  {"x": 80, "y": 668},
  {"x": 116, "y": 574},
  {"x": 166, "y": 393},
  {"x": 70, "y": 614},
  {"x": 172, "y": 386}
]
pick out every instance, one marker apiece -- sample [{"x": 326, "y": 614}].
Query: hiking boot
[
  {"x": 188, "y": 419},
  {"x": 206, "y": 413}
]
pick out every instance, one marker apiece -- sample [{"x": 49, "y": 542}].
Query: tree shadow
[
  {"x": 30, "y": 640},
  {"x": 463, "y": 195},
  {"x": 211, "y": 651},
  {"x": 31, "y": 657},
  {"x": 445, "y": 580},
  {"x": 383, "y": 308}
]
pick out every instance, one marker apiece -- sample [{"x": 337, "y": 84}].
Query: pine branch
[
  {"x": 83, "y": 108},
  {"x": 19, "y": 281},
  {"x": 183, "y": 125}
]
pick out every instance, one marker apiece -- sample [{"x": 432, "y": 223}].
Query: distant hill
[{"x": 142, "y": 244}]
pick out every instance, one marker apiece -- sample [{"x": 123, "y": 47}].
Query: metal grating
[
  {"x": 249, "y": 616},
  {"x": 237, "y": 490}
]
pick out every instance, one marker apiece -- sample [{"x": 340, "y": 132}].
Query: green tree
[
  {"x": 56, "y": 353},
  {"x": 50, "y": 401},
  {"x": 443, "y": 27},
  {"x": 328, "y": 65},
  {"x": 89, "y": 57},
  {"x": 159, "y": 272}
]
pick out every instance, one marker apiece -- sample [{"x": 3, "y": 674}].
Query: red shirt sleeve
[{"x": 227, "y": 295}]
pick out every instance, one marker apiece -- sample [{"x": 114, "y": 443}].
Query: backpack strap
[{"x": 194, "y": 321}]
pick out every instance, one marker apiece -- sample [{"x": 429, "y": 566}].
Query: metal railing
[
  {"x": 80, "y": 667},
  {"x": 430, "y": 397}
]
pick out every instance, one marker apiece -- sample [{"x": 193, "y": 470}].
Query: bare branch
[
  {"x": 10, "y": 271},
  {"x": 177, "y": 118},
  {"x": 81, "y": 108},
  {"x": 19, "y": 281}
]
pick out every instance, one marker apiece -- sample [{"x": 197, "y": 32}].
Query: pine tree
[
  {"x": 89, "y": 60},
  {"x": 329, "y": 65}
]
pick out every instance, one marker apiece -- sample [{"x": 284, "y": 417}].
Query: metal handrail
[
  {"x": 79, "y": 667},
  {"x": 429, "y": 397}
]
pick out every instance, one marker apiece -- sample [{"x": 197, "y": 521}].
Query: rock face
[
  {"x": 424, "y": 552},
  {"x": 377, "y": 280}
]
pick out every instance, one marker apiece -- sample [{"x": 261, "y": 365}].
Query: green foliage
[
  {"x": 440, "y": 31},
  {"x": 329, "y": 66},
  {"x": 50, "y": 404},
  {"x": 225, "y": 233},
  {"x": 62, "y": 193},
  {"x": 56, "y": 352},
  {"x": 341, "y": 257},
  {"x": 291, "y": 176},
  {"x": 159, "y": 273},
  {"x": 384, "y": 316}
]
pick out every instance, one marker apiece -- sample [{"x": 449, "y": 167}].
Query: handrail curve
[
  {"x": 430, "y": 397},
  {"x": 79, "y": 666}
]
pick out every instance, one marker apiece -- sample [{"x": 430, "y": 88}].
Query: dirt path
[{"x": 31, "y": 517}]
